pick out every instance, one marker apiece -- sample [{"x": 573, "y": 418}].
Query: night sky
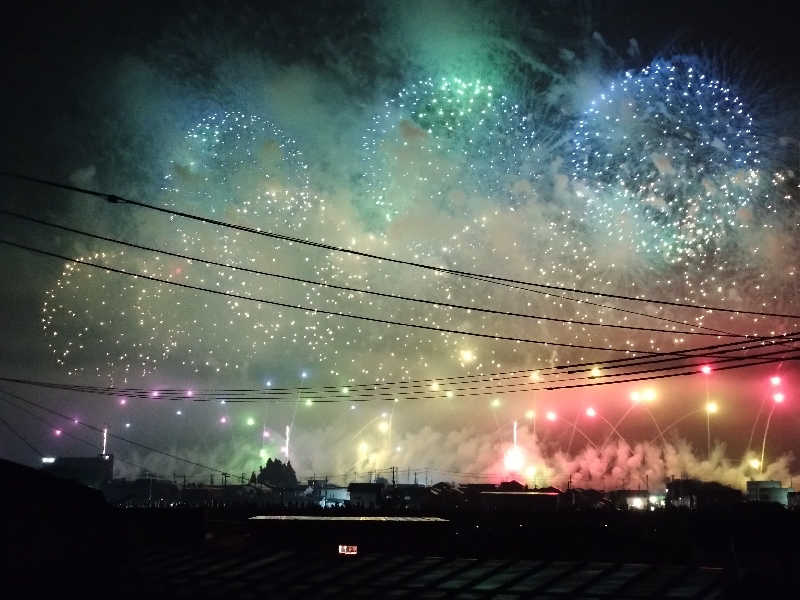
[{"x": 634, "y": 150}]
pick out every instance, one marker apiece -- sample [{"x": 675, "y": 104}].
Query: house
[
  {"x": 768, "y": 491},
  {"x": 366, "y": 495},
  {"x": 694, "y": 494},
  {"x": 91, "y": 471}
]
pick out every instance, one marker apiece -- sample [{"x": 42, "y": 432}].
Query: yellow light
[
  {"x": 495, "y": 403},
  {"x": 449, "y": 394},
  {"x": 467, "y": 355},
  {"x": 712, "y": 407},
  {"x": 649, "y": 395},
  {"x": 435, "y": 386},
  {"x": 263, "y": 453},
  {"x": 530, "y": 472},
  {"x": 345, "y": 390},
  {"x": 251, "y": 421},
  {"x": 383, "y": 426},
  {"x": 595, "y": 372},
  {"x": 535, "y": 376},
  {"x": 636, "y": 397},
  {"x": 309, "y": 402},
  {"x": 530, "y": 414},
  {"x": 755, "y": 463},
  {"x": 362, "y": 447}
]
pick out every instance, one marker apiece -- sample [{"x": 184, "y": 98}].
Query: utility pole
[{"x": 393, "y": 480}]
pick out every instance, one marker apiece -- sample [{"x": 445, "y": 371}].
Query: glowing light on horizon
[
  {"x": 551, "y": 416},
  {"x": 495, "y": 403},
  {"x": 514, "y": 459},
  {"x": 705, "y": 369},
  {"x": 590, "y": 412},
  {"x": 712, "y": 407},
  {"x": 595, "y": 372}
]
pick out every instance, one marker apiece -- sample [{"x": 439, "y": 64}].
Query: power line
[
  {"x": 435, "y": 303},
  {"x": 332, "y": 313},
  {"x": 21, "y": 437},
  {"x": 649, "y": 375},
  {"x": 114, "y": 199},
  {"x": 77, "y": 437},
  {"x": 229, "y": 394},
  {"x": 113, "y": 435}
]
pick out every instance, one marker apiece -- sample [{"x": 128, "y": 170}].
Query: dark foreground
[{"x": 67, "y": 540}]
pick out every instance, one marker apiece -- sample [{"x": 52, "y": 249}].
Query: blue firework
[{"x": 666, "y": 159}]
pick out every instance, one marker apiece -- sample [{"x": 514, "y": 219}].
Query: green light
[{"x": 251, "y": 421}]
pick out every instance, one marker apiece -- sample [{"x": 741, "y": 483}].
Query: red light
[
  {"x": 775, "y": 380},
  {"x": 348, "y": 550},
  {"x": 705, "y": 369},
  {"x": 57, "y": 432}
]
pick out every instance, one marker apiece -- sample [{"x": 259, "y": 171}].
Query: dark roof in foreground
[
  {"x": 321, "y": 518},
  {"x": 253, "y": 574}
]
